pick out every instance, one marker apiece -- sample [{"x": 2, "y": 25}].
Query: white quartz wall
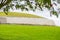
[{"x": 22, "y": 20}]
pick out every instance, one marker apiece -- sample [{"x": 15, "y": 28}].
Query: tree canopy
[{"x": 32, "y": 4}]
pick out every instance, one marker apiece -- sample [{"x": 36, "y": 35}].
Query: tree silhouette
[{"x": 28, "y": 4}]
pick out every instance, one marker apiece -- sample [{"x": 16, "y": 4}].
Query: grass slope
[
  {"x": 29, "y": 32},
  {"x": 16, "y": 14}
]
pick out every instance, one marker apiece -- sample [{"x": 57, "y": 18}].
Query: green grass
[
  {"x": 29, "y": 32},
  {"x": 16, "y": 14}
]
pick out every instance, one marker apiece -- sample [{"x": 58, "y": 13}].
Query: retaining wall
[
  {"x": 35, "y": 21},
  {"x": 22, "y": 20}
]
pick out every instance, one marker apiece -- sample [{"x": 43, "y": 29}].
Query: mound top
[{"x": 17, "y": 14}]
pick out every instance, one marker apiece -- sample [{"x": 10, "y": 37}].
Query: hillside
[{"x": 16, "y": 14}]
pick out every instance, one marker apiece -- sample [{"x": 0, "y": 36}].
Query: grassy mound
[
  {"x": 16, "y": 14},
  {"x": 29, "y": 32}
]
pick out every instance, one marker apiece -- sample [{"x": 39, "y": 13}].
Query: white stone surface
[
  {"x": 22, "y": 20},
  {"x": 35, "y": 21}
]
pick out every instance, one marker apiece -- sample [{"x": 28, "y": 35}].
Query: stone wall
[
  {"x": 35, "y": 21},
  {"x": 3, "y": 20},
  {"x": 22, "y": 20}
]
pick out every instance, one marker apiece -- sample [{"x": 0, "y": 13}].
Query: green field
[
  {"x": 29, "y": 32},
  {"x": 17, "y": 14}
]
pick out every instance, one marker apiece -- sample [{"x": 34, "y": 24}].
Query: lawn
[
  {"x": 29, "y": 32},
  {"x": 17, "y": 14}
]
